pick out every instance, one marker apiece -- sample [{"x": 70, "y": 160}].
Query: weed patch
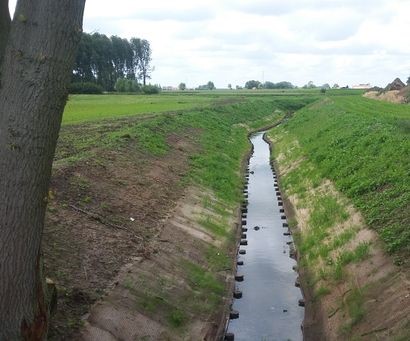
[{"x": 354, "y": 305}]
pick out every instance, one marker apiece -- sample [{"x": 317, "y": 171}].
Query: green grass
[
  {"x": 208, "y": 289},
  {"x": 86, "y": 108},
  {"x": 320, "y": 292},
  {"x": 81, "y": 108},
  {"x": 177, "y": 318},
  {"x": 216, "y": 228},
  {"x": 355, "y": 307},
  {"x": 202, "y": 280},
  {"x": 326, "y": 212},
  {"x": 344, "y": 237},
  {"x": 218, "y": 260},
  {"x": 363, "y": 146}
]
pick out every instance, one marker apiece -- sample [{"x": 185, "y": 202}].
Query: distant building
[
  {"x": 397, "y": 84},
  {"x": 169, "y": 88},
  {"x": 362, "y": 86}
]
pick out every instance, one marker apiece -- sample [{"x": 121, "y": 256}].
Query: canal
[{"x": 269, "y": 301}]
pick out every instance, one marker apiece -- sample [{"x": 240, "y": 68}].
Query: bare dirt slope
[
  {"x": 394, "y": 96},
  {"x": 181, "y": 240},
  {"x": 124, "y": 242}
]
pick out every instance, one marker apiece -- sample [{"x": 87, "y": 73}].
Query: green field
[{"x": 81, "y": 108}]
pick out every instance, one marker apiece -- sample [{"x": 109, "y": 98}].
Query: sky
[{"x": 231, "y": 41}]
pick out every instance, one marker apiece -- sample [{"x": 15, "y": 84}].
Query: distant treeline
[
  {"x": 252, "y": 84},
  {"x": 107, "y": 62}
]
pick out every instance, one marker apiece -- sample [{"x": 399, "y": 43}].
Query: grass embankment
[
  {"x": 214, "y": 143},
  {"x": 362, "y": 147}
]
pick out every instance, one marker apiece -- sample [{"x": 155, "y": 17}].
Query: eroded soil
[{"x": 106, "y": 212}]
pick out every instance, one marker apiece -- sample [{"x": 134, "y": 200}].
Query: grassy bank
[
  {"x": 363, "y": 146},
  {"x": 344, "y": 165},
  {"x": 220, "y": 130}
]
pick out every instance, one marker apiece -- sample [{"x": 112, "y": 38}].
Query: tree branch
[{"x": 4, "y": 26}]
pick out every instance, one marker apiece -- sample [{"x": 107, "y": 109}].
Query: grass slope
[
  {"x": 222, "y": 134},
  {"x": 363, "y": 146}
]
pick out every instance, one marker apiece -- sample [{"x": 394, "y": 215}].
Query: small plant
[
  {"x": 354, "y": 305},
  {"x": 213, "y": 226},
  {"x": 218, "y": 260},
  {"x": 86, "y": 200},
  {"x": 320, "y": 292},
  {"x": 176, "y": 318},
  {"x": 80, "y": 182},
  {"x": 362, "y": 251}
]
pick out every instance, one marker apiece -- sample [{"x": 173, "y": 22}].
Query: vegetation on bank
[
  {"x": 221, "y": 129},
  {"x": 323, "y": 226},
  {"x": 363, "y": 146}
]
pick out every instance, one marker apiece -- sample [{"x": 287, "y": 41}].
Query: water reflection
[{"x": 269, "y": 307}]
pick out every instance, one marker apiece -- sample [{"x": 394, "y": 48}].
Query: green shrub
[
  {"x": 126, "y": 85},
  {"x": 151, "y": 89},
  {"x": 85, "y": 88}
]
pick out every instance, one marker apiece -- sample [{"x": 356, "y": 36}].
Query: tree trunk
[
  {"x": 36, "y": 68},
  {"x": 4, "y": 26}
]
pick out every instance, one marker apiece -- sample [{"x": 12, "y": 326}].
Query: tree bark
[
  {"x": 36, "y": 68},
  {"x": 4, "y": 26}
]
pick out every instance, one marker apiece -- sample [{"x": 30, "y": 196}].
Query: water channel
[{"x": 268, "y": 309}]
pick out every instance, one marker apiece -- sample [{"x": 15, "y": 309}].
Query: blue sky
[{"x": 232, "y": 41}]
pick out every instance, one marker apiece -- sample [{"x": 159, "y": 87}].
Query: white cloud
[{"x": 232, "y": 41}]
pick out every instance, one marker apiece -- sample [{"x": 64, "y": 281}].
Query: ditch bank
[{"x": 351, "y": 286}]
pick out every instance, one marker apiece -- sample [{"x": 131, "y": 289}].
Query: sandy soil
[{"x": 394, "y": 96}]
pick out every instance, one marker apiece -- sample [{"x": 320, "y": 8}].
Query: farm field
[{"x": 81, "y": 108}]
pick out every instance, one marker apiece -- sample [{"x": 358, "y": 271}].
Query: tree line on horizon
[{"x": 111, "y": 63}]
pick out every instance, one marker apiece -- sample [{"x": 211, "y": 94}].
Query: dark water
[{"x": 269, "y": 307}]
